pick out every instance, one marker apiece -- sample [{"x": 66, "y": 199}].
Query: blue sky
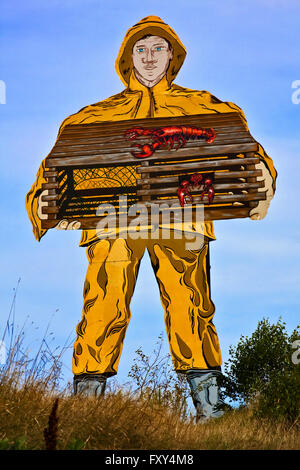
[{"x": 58, "y": 56}]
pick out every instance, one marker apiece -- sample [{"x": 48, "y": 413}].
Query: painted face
[{"x": 151, "y": 57}]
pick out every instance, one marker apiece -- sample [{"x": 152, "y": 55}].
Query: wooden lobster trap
[{"x": 93, "y": 164}]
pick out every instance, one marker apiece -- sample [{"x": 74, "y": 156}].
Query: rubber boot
[
  {"x": 205, "y": 393},
  {"x": 89, "y": 385}
]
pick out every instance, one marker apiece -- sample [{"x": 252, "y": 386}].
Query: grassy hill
[{"x": 120, "y": 421}]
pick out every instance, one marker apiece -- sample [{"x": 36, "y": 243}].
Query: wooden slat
[
  {"x": 218, "y": 199},
  {"x": 236, "y": 174},
  {"x": 50, "y": 185},
  {"x": 58, "y": 198},
  {"x": 214, "y": 164},
  {"x": 217, "y": 176},
  {"x": 51, "y": 215},
  {"x": 217, "y": 187},
  {"x": 53, "y": 197},
  {"x": 48, "y": 174},
  {"x": 82, "y": 141},
  {"x": 226, "y": 213},
  {"x": 58, "y": 187},
  {"x": 122, "y": 145},
  {"x": 209, "y": 214},
  {"x": 126, "y": 157},
  {"x": 54, "y": 176},
  {"x": 50, "y": 210},
  {"x": 146, "y": 166},
  {"x": 252, "y": 179}
]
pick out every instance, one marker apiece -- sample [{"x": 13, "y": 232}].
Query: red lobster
[
  {"x": 183, "y": 192},
  {"x": 167, "y": 136}
]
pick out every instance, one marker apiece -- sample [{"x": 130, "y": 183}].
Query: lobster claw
[
  {"x": 184, "y": 194},
  {"x": 146, "y": 151},
  {"x": 210, "y": 194},
  {"x": 211, "y": 134},
  {"x": 209, "y": 191}
]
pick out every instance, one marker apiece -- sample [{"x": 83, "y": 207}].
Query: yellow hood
[{"x": 155, "y": 26}]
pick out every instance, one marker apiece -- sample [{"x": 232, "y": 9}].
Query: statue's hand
[
  {"x": 260, "y": 211},
  {"x": 62, "y": 224},
  {"x": 66, "y": 225},
  {"x": 42, "y": 204}
]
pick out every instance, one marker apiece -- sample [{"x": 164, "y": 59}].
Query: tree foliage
[{"x": 260, "y": 371}]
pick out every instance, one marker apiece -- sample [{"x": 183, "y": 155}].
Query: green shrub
[
  {"x": 280, "y": 399},
  {"x": 260, "y": 371}
]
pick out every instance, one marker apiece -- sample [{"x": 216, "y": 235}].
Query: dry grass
[
  {"x": 29, "y": 388},
  {"x": 118, "y": 421}
]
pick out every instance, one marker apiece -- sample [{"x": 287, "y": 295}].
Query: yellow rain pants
[{"x": 181, "y": 274}]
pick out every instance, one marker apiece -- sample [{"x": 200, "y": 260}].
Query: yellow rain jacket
[{"x": 137, "y": 101}]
